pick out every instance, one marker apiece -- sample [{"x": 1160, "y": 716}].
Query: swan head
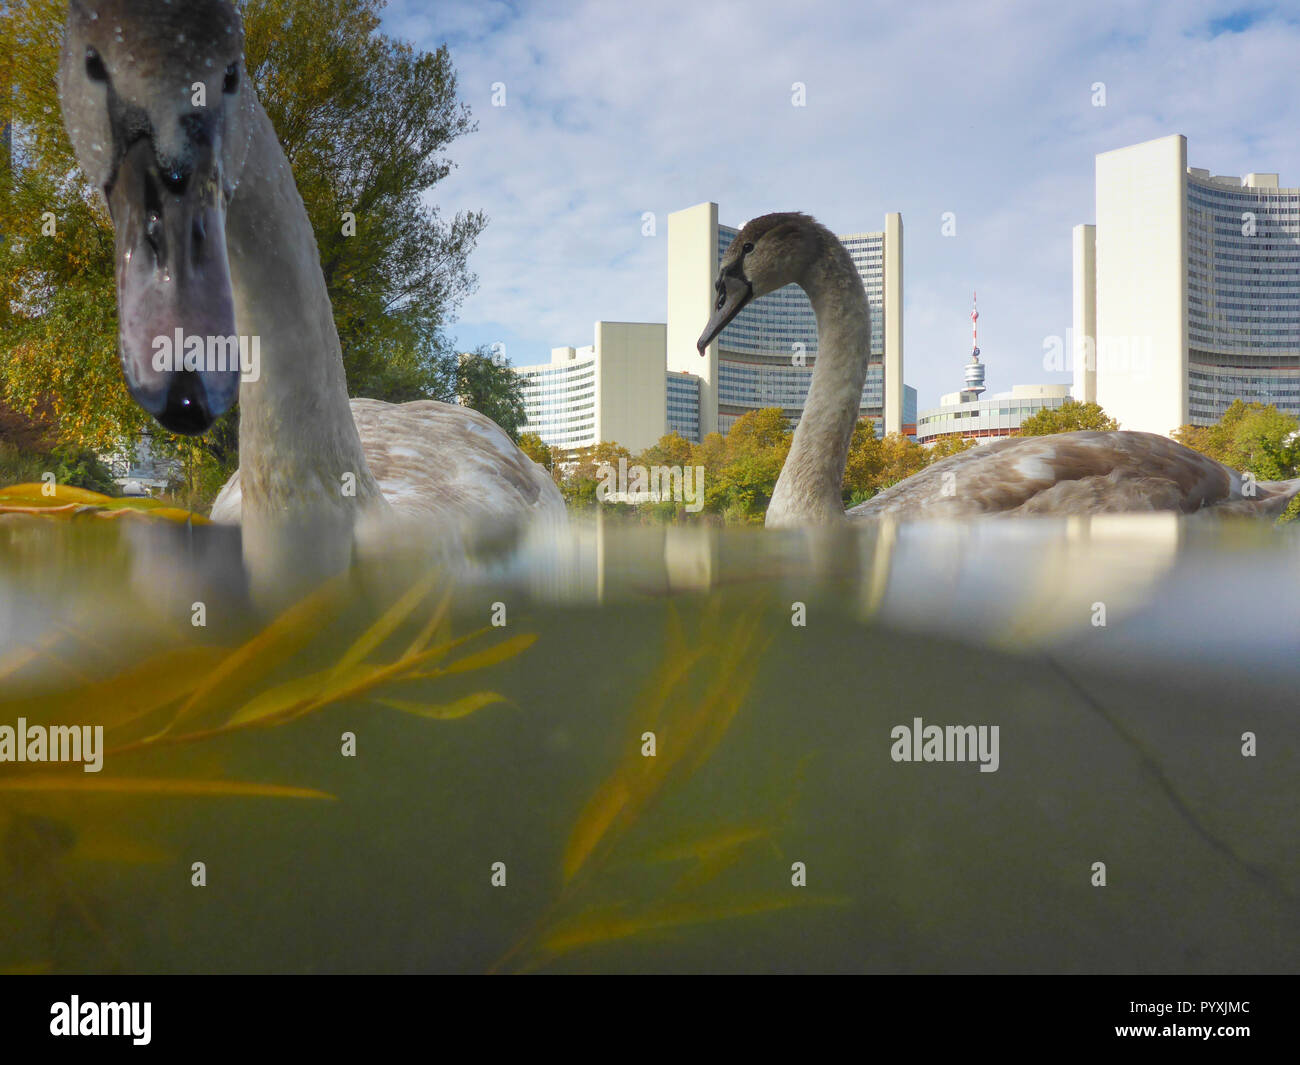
[
  {"x": 769, "y": 252},
  {"x": 159, "y": 112}
]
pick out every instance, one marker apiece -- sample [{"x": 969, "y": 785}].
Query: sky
[{"x": 985, "y": 110}]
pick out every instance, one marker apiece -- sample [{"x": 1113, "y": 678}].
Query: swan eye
[
  {"x": 722, "y": 298},
  {"x": 95, "y": 69},
  {"x": 747, "y": 248},
  {"x": 232, "y": 79}
]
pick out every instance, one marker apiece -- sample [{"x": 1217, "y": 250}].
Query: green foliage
[
  {"x": 741, "y": 469},
  {"x": 1250, "y": 437},
  {"x": 491, "y": 387},
  {"x": 538, "y": 450},
  {"x": 365, "y": 122},
  {"x": 1069, "y": 417}
]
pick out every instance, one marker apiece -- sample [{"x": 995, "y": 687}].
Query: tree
[
  {"x": 755, "y": 450},
  {"x": 1253, "y": 437},
  {"x": 865, "y": 461},
  {"x": 538, "y": 450},
  {"x": 1068, "y": 417},
  {"x": 584, "y": 474},
  {"x": 365, "y": 122},
  {"x": 672, "y": 449},
  {"x": 875, "y": 464},
  {"x": 946, "y": 446},
  {"x": 489, "y": 386}
]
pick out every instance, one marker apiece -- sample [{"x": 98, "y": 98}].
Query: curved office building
[{"x": 1187, "y": 290}]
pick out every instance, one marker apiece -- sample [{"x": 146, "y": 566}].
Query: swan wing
[{"x": 440, "y": 461}]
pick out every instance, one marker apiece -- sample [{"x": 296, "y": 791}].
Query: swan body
[
  {"x": 212, "y": 239},
  {"x": 395, "y": 440},
  {"x": 1069, "y": 473}
]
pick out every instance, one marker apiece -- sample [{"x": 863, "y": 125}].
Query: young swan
[
  {"x": 213, "y": 242},
  {"x": 1070, "y": 473}
]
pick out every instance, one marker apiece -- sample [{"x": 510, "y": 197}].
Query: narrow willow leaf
[
  {"x": 387, "y": 622},
  {"x": 599, "y": 814},
  {"x": 85, "y": 782},
  {"x": 325, "y": 686},
  {"x": 288, "y": 632},
  {"x": 490, "y": 656},
  {"x": 614, "y": 923},
  {"x": 421, "y": 641},
  {"x": 130, "y": 695},
  {"x": 446, "y": 711}
]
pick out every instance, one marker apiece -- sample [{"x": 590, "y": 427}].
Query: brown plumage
[{"x": 1077, "y": 473}]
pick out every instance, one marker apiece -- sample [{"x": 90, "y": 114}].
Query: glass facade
[
  {"x": 999, "y": 416},
  {"x": 755, "y": 352},
  {"x": 684, "y": 406},
  {"x": 1243, "y": 297},
  {"x": 560, "y": 402}
]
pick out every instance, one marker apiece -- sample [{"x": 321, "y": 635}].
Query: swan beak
[
  {"x": 733, "y": 294},
  {"x": 175, "y": 307}
]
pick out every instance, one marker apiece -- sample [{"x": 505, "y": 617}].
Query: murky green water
[{"x": 1119, "y": 743}]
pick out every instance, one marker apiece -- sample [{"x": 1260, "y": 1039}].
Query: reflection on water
[{"x": 622, "y": 748}]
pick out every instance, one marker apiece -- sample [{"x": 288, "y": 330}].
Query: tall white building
[
  {"x": 1186, "y": 290},
  {"x": 749, "y": 366},
  {"x": 613, "y": 390}
]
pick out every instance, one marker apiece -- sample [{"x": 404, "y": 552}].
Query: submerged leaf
[
  {"x": 446, "y": 711},
  {"x": 601, "y": 811},
  {"x": 153, "y": 786},
  {"x": 490, "y": 656},
  {"x": 321, "y": 687},
  {"x": 613, "y": 923},
  {"x": 288, "y": 632},
  {"x": 387, "y": 622}
]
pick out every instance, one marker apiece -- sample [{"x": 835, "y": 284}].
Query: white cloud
[{"x": 984, "y": 110}]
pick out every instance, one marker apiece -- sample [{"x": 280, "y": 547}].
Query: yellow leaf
[
  {"x": 275, "y": 643},
  {"x": 384, "y": 625},
  {"x": 447, "y": 711},
  {"x": 597, "y": 816},
  {"x": 87, "y": 782},
  {"x": 324, "y": 686},
  {"x": 490, "y": 656},
  {"x": 613, "y": 923}
]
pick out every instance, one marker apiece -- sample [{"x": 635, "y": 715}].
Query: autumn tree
[
  {"x": 672, "y": 449},
  {"x": 538, "y": 450},
  {"x": 365, "y": 122},
  {"x": 1067, "y": 418},
  {"x": 1254, "y": 437}
]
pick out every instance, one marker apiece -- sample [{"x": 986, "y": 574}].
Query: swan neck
[
  {"x": 809, "y": 490},
  {"x": 298, "y": 442}
]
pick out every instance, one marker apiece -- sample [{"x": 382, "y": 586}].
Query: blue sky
[{"x": 984, "y": 110}]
